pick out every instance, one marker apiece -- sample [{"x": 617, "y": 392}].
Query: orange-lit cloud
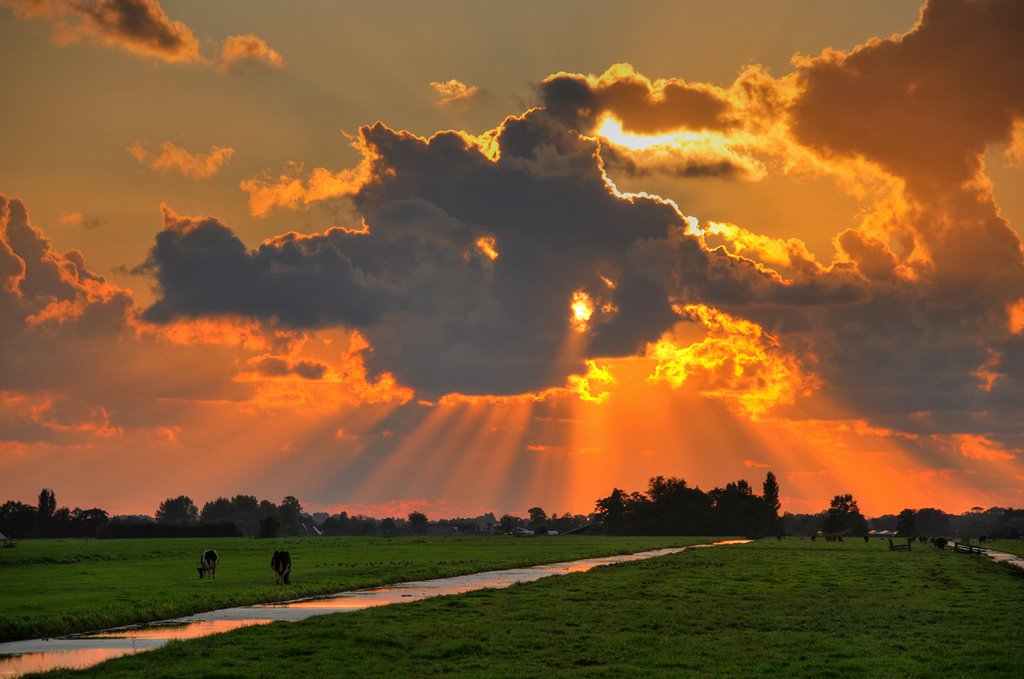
[
  {"x": 737, "y": 361},
  {"x": 488, "y": 246},
  {"x": 290, "y": 189},
  {"x": 242, "y": 49},
  {"x": 78, "y": 219},
  {"x": 173, "y": 158},
  {"x": 1015, "y": 311},
  {"x": 140, "y": 27},
  {"x": 981, "y": 448},
  {"x": 453, "y": 92}
]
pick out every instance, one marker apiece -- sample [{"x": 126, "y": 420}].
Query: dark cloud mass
[
  {"x": 644, "y": 107},
  {"x": 440, "y": 313},
  {"x": 893, "y": 333}
]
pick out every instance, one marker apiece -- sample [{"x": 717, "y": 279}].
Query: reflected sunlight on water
[{"x": 17, "y": 665}]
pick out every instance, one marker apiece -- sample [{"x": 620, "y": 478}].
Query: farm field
[
  {"x": 789, "y": 608},
  {"x": 55, "y": 587},
  {"x": 1008, "y": 546}
]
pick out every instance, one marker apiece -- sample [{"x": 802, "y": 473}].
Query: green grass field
[
  {"x": 53, "y": 587},
  {"x": 1008, "y": 546},
  {"x": 781, "y": 609}
]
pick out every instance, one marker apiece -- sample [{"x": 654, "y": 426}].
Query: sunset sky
[{"x": 458, "y": 257}]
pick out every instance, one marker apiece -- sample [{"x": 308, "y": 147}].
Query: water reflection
[
  {"x": 39, "y": 655},
  {"x": 17, "y": 665},
  {"x": 185, "y": 630}
]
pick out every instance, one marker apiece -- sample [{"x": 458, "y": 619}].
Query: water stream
[{"x": 84, "y": 650}]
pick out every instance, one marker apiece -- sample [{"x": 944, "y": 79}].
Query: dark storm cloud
[
  {"x": 643, "y": 106},
  {"x": 204, "y": 269},
  {"x": 441, "y": 314}
]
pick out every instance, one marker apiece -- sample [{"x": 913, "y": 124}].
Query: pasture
[
  {"x": 53, "y": 587},
  {"x": 790, "y": 608}
]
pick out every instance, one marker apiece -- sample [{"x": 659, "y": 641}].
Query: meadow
[
  {"x": 789, "y": 608},
  {"x": 54, "y": 587}
]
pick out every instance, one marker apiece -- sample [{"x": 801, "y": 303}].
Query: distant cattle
[
  {"x": 940, "y": 543},
  {"x": 282, "y": 565},
  {"x": 208, "y": 563}
]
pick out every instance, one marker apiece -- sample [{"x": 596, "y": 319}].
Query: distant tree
[
  {"x": 677, "y": 509},
  {"x": 418, "y": 523},
  {"x": 883, "y": 522},
  {"x": 266, "y": 508},
  {"x": 737, "y": 511},
  {"x": 933, "y": 522},
  {"x": 17, "y": 519},
  {"x": 246, "y": 511},
  {"x": 844, "y": 517},
  {"x": 611, "y": 511},
  {"x": 537, "y": 516},
  {"x": 180, "y": 509},
  {"x": 803, "y": 524},
  {"x": 335, "y": 525},
  {"x": 87, "y": 522},
  {"x": 220, "y": 509},
  {"x": 387, "y": 527},
  {"x": 771, "y": 501},
  {"x": 507, "y": 522},
  {"x": 906, "y": 523},
  {"x": 45, "y": 510},
  {"x": 270, "y": 526},
  {"x": 60, "y": 523},
  {"x": 290, "y": 513}
]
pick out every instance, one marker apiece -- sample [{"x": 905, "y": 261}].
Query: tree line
[
  {"x": 670, "y": 506},
  {"x": 174, "y": 517},
  {"x": 843, "y": 517}
]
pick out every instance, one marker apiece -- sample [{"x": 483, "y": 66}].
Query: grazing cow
[
  {"x": 281, "y": 562},
  {"x": 940, "y": 543},
  {"x": 208, "y": 564}
]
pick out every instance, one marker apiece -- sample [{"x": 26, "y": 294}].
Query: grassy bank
[
  {"x": 54, "y": 587},
  {"x": 790, "y": 608},
  {"x": 1008, "y": 546}
]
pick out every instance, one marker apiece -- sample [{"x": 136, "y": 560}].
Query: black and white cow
[
  {"x": 208, "y": 563},
  {"x": 282, "y": 565}
]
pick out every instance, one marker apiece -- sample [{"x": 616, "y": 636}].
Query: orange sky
[{"x": 399, "y": 265}]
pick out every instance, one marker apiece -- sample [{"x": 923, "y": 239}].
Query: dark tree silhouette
[
  {"x": 537, "y": 516},
  {"x": 418, "y": 523},
  {"x": 270, "y": 526},
  {"x": 844, "y": 517},
  {"x": 611, "y": 511},
  {"x": 290, "y": 512},
  {"x": 507, "y": 522},
  {"x": 17, "y": 519},
  {"x": 771, "y": 501},
  {"x": 180, "y": 509},
  {"x": 45, "y": 511},
  {"x": 220, "y": 509},
  {"x": 906, "y": 523}
]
